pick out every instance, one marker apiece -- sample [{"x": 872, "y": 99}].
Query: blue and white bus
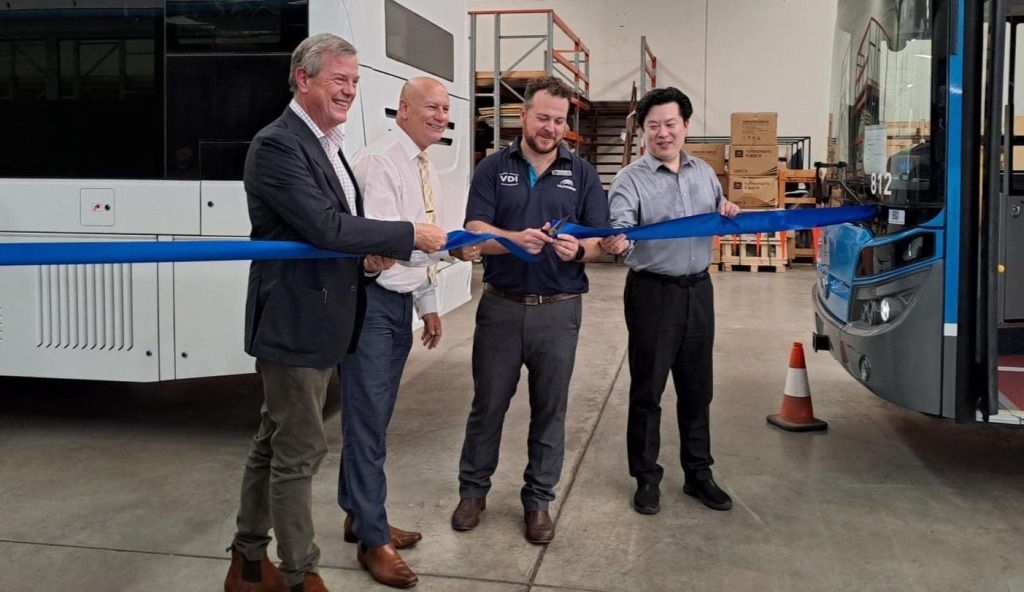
[
  {"x": 924, "y": 304},
  {"x": 128, "y": 120}
]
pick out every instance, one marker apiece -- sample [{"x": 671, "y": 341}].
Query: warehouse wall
[{"x": 727, "y": 55}]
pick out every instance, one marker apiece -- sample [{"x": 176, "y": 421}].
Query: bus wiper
[{"x": 822, "y": 183}]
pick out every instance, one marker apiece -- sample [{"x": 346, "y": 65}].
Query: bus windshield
[
  {"x": 882, "y": 109},
  {"x": 141, "y": 89}
]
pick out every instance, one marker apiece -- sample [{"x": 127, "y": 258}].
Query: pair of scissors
[{"x": 557, "y": 227}]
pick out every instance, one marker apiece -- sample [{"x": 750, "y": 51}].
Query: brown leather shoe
[
  {"x": 311, "y": 582},
  {"x": 539, "y": 528},
  {"x": 253, "y": 576},
  {"x": 386, "y": 565},
  {"x": 401, "y": 539},
  {"x": 467, "y": 513}
]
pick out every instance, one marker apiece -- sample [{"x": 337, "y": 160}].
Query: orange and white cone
[{"x": 797, "y": 413}]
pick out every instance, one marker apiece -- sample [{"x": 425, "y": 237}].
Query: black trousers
[
  {"x": 508, "y": 336},
  {"x": 671, "y": 323}
]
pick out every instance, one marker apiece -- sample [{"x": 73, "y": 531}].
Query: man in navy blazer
[{"x": 303, "y": 315}]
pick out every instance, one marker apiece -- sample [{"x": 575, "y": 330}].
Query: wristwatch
[{"x": 580, "y": 253}]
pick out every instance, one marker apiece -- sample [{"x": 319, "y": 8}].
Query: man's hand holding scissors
[{"x": 566, "y": 246}]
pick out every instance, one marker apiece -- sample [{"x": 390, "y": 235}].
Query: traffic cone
[{"x": 797, "y": 413}]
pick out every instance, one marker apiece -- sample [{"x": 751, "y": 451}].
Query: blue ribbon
[
  {"x": 127, "y": 251},
  {"x": 715, "y": 224},
  {"x": 71, "y": 253}
]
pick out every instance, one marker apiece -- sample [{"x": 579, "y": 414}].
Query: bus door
[{"x": 1001, "y": 262}]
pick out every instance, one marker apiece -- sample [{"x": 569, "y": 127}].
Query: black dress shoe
[
  {"x": 708, "y": 492},
  {"x": 646, "y": 499}
]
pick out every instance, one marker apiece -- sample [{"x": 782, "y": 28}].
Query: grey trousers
[
  {"x": 286, "y": 452},
  {"x": 509, "y": 335}
]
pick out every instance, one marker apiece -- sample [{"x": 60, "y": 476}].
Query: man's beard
[{"x": 531, "y": 141}]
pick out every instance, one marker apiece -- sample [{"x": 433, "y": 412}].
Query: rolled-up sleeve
[{"x": 624, "y": 202}]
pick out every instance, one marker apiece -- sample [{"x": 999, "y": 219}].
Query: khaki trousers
[{"x": 286, "y": 452}]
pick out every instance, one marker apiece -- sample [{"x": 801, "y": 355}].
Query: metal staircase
[
  {"x": 604, "y": 131},
  {"x": 609, "y": 130}
]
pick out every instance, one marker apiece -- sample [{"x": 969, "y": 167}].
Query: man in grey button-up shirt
[{"x": 669, "y": 301}]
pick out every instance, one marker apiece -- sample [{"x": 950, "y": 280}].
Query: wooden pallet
[
  {"x": 748, "y": 259},
  {"x": 776, "y": 267},
  {"x": 808, "y": 177},
  {"x": 756, "y": 237},
  {"x": 486, "y": 78},
  {"x": 753, "y": 251},
  {"x": 801, "y": 255}
]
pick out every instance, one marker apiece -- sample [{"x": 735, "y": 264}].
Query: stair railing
[{"x": 627, "y": 141}]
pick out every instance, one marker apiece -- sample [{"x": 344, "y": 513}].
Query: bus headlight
[
  {"x": 876, "y": 311},
  {"x": 885, "y": 303}
]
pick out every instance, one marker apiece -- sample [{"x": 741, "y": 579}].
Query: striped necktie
[{"x": 428, "y": 205}]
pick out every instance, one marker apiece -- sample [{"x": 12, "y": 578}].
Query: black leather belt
[
  {"x": 529, "y": 299},
  {"x": 680, "y": 280}
]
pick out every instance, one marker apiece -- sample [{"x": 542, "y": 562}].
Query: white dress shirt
[
  {"x": 388, "y": 174},
  {"x": 332, "y": 142}
]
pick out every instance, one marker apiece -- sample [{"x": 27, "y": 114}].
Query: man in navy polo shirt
[{"x": 530, "y": 312}]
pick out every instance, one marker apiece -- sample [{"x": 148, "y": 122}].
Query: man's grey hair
[{"x": 309, "y": 54}]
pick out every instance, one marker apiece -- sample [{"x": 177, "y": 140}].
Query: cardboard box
[
  {"x": 723, "y": 180},
  {"x": 754, "y": 192},
  {"x": 755, "y": 161},
  {"x": 713, "y": 154},
  {"x": 754, "y": 129}
]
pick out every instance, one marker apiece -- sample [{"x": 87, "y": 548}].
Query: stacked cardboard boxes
[
  {"x": 754, "y": 160},
  {"x": 754, "y": 184},
  {"x": 714, "y": 155}
]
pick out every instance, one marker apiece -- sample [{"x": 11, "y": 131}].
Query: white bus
[{"x": 129, "y": 120}]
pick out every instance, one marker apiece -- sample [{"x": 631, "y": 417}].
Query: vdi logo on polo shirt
[
  {"x": 508, "y": 179},
  {"x": 566, "y": 184}
]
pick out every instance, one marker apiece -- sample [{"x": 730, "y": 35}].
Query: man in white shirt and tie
[{"x": 398, "y": 182}]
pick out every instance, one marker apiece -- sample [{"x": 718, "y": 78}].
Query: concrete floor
[{"x": 107, "y": 486}]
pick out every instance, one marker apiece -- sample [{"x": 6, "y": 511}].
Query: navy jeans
[{"x": 369, "y": 379}]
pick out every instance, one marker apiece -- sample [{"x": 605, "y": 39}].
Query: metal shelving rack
[{"x": 571, "y": 64}]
